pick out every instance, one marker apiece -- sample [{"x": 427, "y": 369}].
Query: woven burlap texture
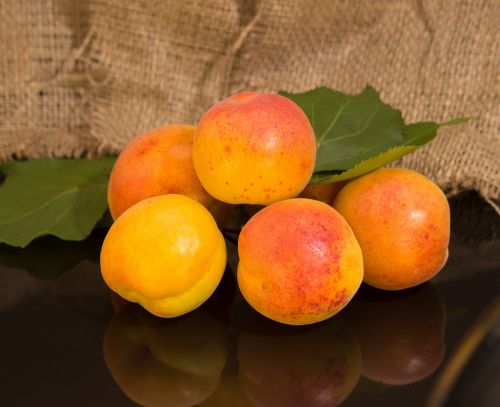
[{"x": 84, "y": 77}]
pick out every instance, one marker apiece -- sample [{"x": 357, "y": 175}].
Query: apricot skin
[
  {"x": 166, "y": 253},
  {"x": 254, "y": 148},
  {"x": 158, "y": 162},
  {"x": 299, "y": 262},
  {"x": 322, "y": 192},
  {"x": 402, "y": 222}
]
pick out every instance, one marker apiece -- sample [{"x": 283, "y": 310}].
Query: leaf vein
[
  {"x": 358, "y": 131},
  {"x": 37, "y": 209},
  {"x": 321, "y": 138}
]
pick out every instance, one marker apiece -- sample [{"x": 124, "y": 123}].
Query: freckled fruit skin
[
  {"x": 165, "y": 253},
  {"x": 254, "y": 148},
  {"x": 402, "y": 222},
  {"x": 299, "y": 262},
  {"x": 158, "y": 162}
]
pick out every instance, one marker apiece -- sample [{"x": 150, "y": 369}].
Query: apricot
[
  {"x": 299, "y": 261},
  {"x": 401, "y": 334},
  {"x": 402, "y": 222},
  {"x": 165, "y": 253},
  {"x": 322, "y": 192},
  {"x": 159, "y": 162},
  {"x": 254, "y": 148},
  {"x": 165, "y": 362},
  {"x": 310, "y": 366}
]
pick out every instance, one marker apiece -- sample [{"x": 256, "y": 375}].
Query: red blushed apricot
[
  {"x": 254, "y": 148},
  {"x": 322, "y": 192},
  {"x": 299, "y": 261},
  {"x": 312, "y": 366},
  {"x": 402, "y": 222},
  {"x": 159, "y": 162},
  {"x": 401, "y": 334}
]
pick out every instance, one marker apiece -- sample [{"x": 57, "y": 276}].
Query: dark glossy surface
[{"x": 66, "y": 341}]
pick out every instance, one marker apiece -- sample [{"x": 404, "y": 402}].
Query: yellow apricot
[
  {"x": 165, "y": 253},
  {"x": 254, "y": 148},
  {"x": 402, "y": 222}
]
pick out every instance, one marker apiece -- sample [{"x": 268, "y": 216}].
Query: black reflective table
[{"x": 66, "y": 340}]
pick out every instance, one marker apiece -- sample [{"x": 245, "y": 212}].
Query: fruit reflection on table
[
  {"x": 303, "y": 366},
  {"x": 158, "y": 362},
  {"x": 401, "y": 334},
  {"x": 395, "y": 338},
  {"x": 228, "y": 393}
]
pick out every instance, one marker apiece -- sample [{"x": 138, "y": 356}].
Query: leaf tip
[
  {"x": 458, "y": 120},
  {"x": 370, "y": 88}
]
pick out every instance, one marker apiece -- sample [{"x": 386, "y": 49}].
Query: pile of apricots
[{"x": 307, "y": 248}]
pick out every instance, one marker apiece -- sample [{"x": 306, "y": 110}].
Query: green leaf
[
  {"x": 364, "y": 166},
  {"x": 458, "y": 120},
  {"x": 64, "y": 198},
  {"x": 359, "y": 133},
  {"x": 416, "y": 135},
  {"x": 349, "y": 128}
]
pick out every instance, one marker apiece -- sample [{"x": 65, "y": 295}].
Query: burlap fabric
[{"x": 84, "y": 77}]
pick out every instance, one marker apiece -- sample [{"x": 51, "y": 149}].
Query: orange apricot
[
  {"x": 402, "y": 222},
  {"x": 159, "y": 162},
  {"x": 254, "y": 148}
]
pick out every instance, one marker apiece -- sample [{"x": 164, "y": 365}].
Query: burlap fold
[{"x": 84, "y": 77}]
